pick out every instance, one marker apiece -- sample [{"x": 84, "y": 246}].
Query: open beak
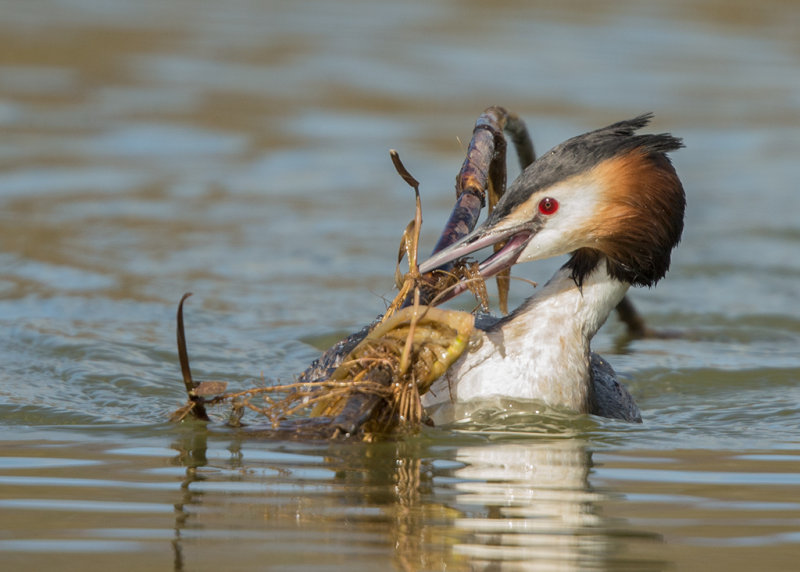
[{"x": 516, "y": 240}]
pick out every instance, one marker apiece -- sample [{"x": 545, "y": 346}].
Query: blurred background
[{"x": 239, "y": 150}]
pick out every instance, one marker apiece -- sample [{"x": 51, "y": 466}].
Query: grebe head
[{"x": 605, "y": 194}]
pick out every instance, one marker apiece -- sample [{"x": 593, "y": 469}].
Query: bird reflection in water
[{"x": 472, "y": 501}]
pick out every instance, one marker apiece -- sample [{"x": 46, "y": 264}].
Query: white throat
[{"x": 539, "y": 352}]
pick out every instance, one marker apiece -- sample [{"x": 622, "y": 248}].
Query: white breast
[{"x": 540, "y": 352}]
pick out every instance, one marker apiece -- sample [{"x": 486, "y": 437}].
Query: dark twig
[
  {"x": 521, "y": 138},
  {"x": 484, "y": 168},
  {"x": 197, "y": 410}
]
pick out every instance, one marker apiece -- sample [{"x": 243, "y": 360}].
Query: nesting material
[{"x": 376, "y": 389}]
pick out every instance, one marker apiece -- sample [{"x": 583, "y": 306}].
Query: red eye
[{"x": 548, "y": 206}]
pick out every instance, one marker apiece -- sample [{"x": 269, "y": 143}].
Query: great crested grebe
[{"x": 612, "y": 200}]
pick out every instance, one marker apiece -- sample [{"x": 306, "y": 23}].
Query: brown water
[{"x": 238, "y": 150}]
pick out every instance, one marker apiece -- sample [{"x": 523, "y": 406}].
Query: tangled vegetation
[{"x": 376, "y": 387}]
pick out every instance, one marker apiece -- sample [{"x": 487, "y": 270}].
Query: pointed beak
[{"x": 516, "y": 240}]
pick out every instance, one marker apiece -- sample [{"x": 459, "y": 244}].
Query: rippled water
[{"x": 238, "y": 150}]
